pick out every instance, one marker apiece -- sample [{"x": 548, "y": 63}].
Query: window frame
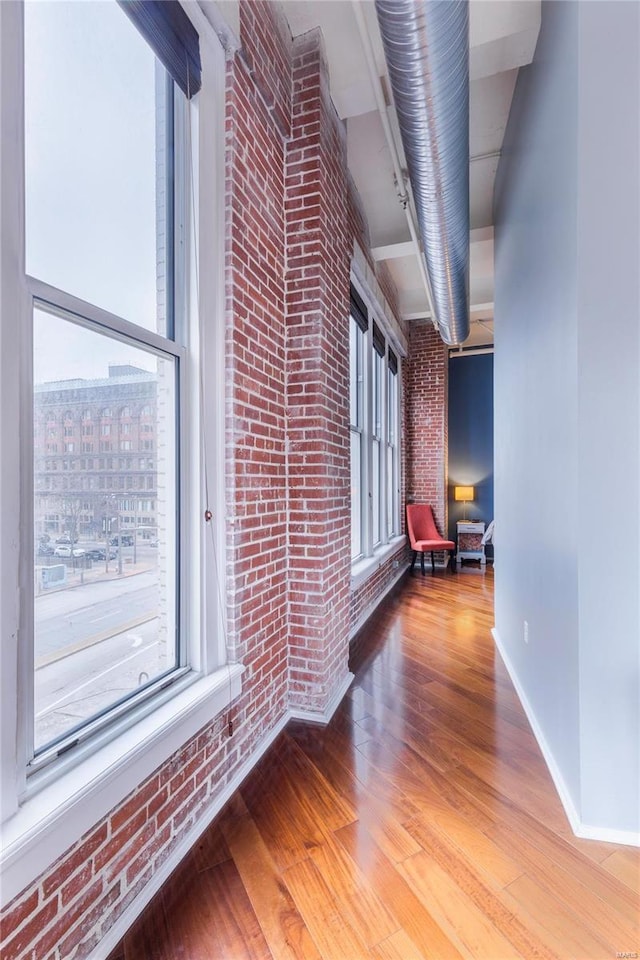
[
  {"x": 375, "y": 549},
  {"x": 358, "y": 427},
  {"x": 42, "y": 818}
]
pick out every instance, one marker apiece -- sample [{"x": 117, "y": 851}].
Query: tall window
[
  {"x": 393, "y": 414},
  {"x": 358, "y": 330},
  {"x": 103, "y": 205},
  {"x": 374, "y": 434}
]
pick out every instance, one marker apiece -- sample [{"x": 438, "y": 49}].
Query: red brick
[
  {"x": 30, "y": 932},
  {"x": 15, "y": 915}
]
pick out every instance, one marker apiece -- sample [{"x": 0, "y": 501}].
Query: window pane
[
  {"x": 356, "y": 494},
  {"x": 390, "y": 491},
  {"x": 378, "y": 363},
  {"x": 375, "y": 491},
  {"x": 391, "y": 406},
  {"x": 105, "y": 551},
  {"x": 96, "y": 130},
  {"x": 353, "y": 372}
]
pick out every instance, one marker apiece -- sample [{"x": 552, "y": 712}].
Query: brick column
[
  {"x": 427, "y": 440},
  {"x": 317, "y": 364}
]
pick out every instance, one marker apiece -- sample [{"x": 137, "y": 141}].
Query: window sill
[
  {"x": 58, "y": 815},
  {"x": 363, "y": 569}
]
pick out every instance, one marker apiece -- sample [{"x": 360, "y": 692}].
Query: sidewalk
[{"x": 79, "y": 577}]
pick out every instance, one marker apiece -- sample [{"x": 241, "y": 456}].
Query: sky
[{"x": 90, "y": 176}]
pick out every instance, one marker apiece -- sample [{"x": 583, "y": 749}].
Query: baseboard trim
[
  {"x": 313, "y": 716},
  {"x": 582, "y": 830},
  {"x": 627, "y": 838},
  {"x": 113, "y": 937},
  {"x": 554, "y": 770}
]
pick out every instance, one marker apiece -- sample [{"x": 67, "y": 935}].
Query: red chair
[{"x": 424, "y": 535}]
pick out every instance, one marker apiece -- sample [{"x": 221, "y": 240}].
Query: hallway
[{"x": 422, "y": 822}]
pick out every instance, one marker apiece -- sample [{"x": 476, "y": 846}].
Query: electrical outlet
[{"x": 526, "y": 631}]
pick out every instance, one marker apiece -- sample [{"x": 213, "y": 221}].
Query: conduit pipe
[
  {"x": 426, "y": 44},
  {"x": 398, "y": 172}
]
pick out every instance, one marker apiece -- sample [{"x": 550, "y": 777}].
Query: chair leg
[
  {"x": 413, "y": 560},
  {"x": 422, "y": 561},
  {"x": 433, "y": 565}
]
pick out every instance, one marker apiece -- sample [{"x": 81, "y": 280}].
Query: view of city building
[{"x": 95, "y": 456}]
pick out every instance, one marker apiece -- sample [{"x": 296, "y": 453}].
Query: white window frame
[
  {"x": 392, "y": 516},
  {"x": 358, "y": 428},
  {"x": 374, "y": 553},
  {"x": 43, "y": 817}
]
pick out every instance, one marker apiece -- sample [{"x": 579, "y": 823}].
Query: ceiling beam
[{"x": 394, "y": 250}]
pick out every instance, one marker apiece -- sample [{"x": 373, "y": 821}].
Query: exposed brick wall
[
  {"x": 256, "y": 478},
  {"x": 319, "y": 250},
  {"x": 426, "y": 437},
  {"x": 266, "y": 49}
]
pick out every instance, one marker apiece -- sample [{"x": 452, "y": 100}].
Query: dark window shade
[
  {"x": 359, "y": 310},
  {"x": 172, "y": 37},
  {"x": 378, "y": 340},
  {"x": 393, "y": 362}
]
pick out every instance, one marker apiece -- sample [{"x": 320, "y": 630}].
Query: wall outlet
[{"x": 526, "y": 631}]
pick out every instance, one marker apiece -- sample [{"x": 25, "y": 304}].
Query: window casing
[
  {"x": 357, "y": 430},
  {"x": 91, "y": 691},
  {"x": 375, "y": 454}
]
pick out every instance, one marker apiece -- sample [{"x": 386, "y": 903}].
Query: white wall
[
  {"x": 566, "y": 404},
  {"x": 608, "y": 374}
]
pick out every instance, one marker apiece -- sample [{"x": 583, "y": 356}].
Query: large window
[
  {"x": 358, "y": 330},
  {"x": 374, "y": 433},
  {"x": 102, "y": 208}
]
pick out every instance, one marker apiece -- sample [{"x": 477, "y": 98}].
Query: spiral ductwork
[{"x": 426, "y": 44}]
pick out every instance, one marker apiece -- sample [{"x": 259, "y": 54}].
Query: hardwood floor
[{"x": 421, "y": 823}]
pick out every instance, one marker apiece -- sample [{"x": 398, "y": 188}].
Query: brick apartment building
[{"x": 95, "y": 453}]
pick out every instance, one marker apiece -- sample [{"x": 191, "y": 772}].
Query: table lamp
[{"x": 466, "y": 495}]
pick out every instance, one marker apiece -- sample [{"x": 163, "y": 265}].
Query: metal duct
[{"x": 426, "y": 44}]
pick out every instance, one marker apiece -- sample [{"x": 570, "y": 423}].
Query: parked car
[
  {"x": 44, "y": 550},
  {"x": 68, "y": 552},
  {"x": 65, "y": 538},
  {"x": 99, "y": 553}
]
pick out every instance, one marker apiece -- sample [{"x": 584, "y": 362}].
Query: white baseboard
[
  {"x": 582, "y": 830},
  {"x": 313, "y": 716},
  {"x": 627, "y": 838}
]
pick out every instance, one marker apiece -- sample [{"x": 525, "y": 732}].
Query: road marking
[
  {"x": 98, "y": 619},
  {"x": 137, "y": 640},
  {"x": 98, "y": 676}
]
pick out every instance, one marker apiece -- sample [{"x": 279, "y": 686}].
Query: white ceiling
[{"x": 503, "y": 35}]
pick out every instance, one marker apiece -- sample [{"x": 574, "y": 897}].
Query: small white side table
[{"x": 470, "y": 545}]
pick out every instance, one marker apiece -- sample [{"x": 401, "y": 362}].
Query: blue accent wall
[{"x": 471, "y": 436}]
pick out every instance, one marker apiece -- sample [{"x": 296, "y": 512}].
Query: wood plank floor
[{"x": 421, "y": 823}]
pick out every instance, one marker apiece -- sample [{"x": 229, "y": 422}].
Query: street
[
  {"x": 94, "y": 645},
  {"x": 68, "y": 617}
]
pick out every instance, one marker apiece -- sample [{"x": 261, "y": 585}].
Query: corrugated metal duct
[{"x": 426, "y": 45}]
